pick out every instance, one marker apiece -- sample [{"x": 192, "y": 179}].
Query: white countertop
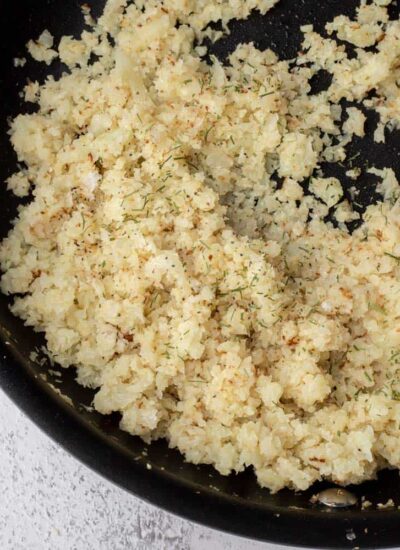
[{"x": 49, "y": 501}]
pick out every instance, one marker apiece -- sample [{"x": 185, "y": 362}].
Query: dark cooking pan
[{"x": 156, "y": 473}]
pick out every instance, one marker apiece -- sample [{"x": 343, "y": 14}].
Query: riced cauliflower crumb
[
  {"x": 329, "y": 190},
  {"x": 344, "y": 213},
  {"x": 365, "y": 504},
  {"x": 19, "y": 184},
  {"x": 41, "y": 49},
  {"x": 386, "y": 505},
  {"x": 297, "y": 157},
  {"x": 355, "y": 123},
  {"x": 19, "y": 61},
  {"x": 203, "y": 301},
  {"x": 354, "y": 173}
]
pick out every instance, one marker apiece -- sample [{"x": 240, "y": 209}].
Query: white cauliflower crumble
[
  {"x": 329, "y": 190},
  {"x": 19, "y": 61},
  {"x": 355, "y": 123},
  {"x": 42, "y": 48},
  {"x": 206, "y": 304}
]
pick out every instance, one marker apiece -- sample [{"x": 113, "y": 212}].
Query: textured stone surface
[{"x": 48, "y": 500}]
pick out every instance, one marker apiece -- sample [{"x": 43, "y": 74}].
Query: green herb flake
[
  {"x": 83, "y": 221},
  {"x": 205, "y": 244},
  {"x": 207, "y": 132},
  {"x": 267, "y": 93},
  {"x": 377, "y": 308},
  {"x": 396, "y": 395},
  {"x": 397, "y": 258},
  {"x": 162, "y": 164}
]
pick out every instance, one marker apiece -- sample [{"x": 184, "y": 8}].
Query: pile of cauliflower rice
[{"x": 204, "y": 302}]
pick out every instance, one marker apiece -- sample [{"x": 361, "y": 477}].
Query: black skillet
[{"x": 155, "y": 473}]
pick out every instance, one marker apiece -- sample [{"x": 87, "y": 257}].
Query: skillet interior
[{"x": 233, "y": 503}]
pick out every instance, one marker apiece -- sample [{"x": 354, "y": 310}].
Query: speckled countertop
[{"x": 49, "y": 501}]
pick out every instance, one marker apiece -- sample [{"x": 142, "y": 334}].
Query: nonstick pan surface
[{"x": 156, "y": 473}]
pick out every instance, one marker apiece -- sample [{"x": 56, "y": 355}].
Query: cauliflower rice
[{"x": 204, "y": 302}]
